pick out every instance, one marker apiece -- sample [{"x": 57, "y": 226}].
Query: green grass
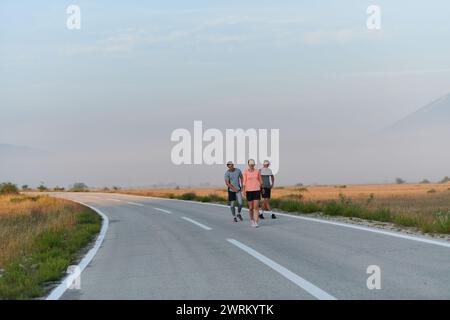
[{"x": 51, "y": 253}]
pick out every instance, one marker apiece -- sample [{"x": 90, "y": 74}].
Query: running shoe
[
  {"x": 234, "y": 219},
  {"x": 240, "y": 217},
  {"x": 274, "y": 216},
  {"x": 261, "y": 216}
]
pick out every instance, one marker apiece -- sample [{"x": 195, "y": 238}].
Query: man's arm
[
  {"x": 229, "y": 185},
  {"x": 272, "y": 178}
]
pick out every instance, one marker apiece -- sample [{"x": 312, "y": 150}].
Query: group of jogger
[{"x": 254, "y": 183}]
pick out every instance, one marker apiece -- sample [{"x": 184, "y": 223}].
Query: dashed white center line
[
  {"x": 162, "y": 210},
  {"x": 299, "y": 281},
  {"x": 113, "y": 199},
  {"x": 135, "y": 204},
  {"x": 196, "y": 223}
]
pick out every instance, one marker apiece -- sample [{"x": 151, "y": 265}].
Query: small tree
[
  {"x": 25, "y": 187},
  {"x": 79, "y": 187},
  {"x": 42, "y": 188},
  {"x": 445, "y": 180},
  {"x": 425, "y": 181},
  {"x": 8, "y": 188},
  {"x": 400, "y": 181}
]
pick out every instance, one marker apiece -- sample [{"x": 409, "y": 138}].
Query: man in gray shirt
[{"x": 233, "y": 180}]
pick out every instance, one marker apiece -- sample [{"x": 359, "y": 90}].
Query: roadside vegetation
[
  {"x": 40, "y": 237},
  {"x": 425, "y": 207}
]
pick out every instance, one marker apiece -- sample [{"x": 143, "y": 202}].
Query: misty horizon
[{"x": 98, "y": 105}]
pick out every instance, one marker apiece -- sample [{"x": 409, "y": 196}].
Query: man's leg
[
  {"x": 267, "y": 205},
  {"x": 232, "y": 207},
  {"x": 232, "y": 199},
  {"x": 239, "y": 200},
  {"x": 261, "y": 213}
]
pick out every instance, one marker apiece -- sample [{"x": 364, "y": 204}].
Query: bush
[
  {"x": 400, "y": 181},
  {"x": 42, "y": 188},
  {"x": 79, "y": 187},
  {"x": 188, "y": 196},
  {"x": 25, "y": 198},
  {"x": 445, "y": 180},
  {"x": 216, "y": 198},
  {"x": 8, "y": 188},
  {"x": 442, "y": 223}
]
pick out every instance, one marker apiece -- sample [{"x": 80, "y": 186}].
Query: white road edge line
[
  {"x": 299, "y": 281},
  {"x": 56, "y": 293},
  {"x": 135, "y": 204},
  {"x": 197, "y": 223},
  {"x": 162, "y": 210}
]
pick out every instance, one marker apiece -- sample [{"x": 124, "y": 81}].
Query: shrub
[
  {"x": 188, "y": 196},
  {"x": 42, "y": 188},
  {"x": 8, "y": 188},
  {"x": 445, "y": 180},
  {"x": 79, "y": 187},
  {"x": 216, "y": 198},
  {"x": 400, "y": 181},
  {"x": 442, "y": 222}
]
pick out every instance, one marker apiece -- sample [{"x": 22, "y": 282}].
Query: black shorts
[
  {"x": 266, "y": 193},
  {"x": 253, "y": 195},
  {"x": 231, "y": 196}
]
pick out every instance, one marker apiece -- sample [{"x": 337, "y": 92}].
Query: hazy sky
[{"x": 99, "y": 104}]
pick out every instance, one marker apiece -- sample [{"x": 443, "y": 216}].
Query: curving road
[{"x": 168, "y": 249}]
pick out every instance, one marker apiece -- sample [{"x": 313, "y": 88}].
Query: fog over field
[{"x": 99, "y": 104}]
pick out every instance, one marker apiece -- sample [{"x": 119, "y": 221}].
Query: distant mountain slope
[
  {"x": 433, "y": 117},
  {"x": 8, "y": 150}
]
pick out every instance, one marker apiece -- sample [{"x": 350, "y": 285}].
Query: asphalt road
[{"x": 168, "y": 249}]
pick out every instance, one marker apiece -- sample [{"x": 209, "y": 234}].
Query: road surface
[{"x": 168, "y": 249}]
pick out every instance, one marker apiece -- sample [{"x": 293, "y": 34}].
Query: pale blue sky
[{"x": 111, "y": 93}]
